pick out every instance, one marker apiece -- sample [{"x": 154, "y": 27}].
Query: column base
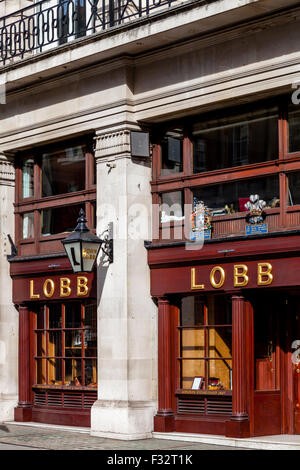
[
  {"x": 23, "y": 413},
  {"x": 164, "y": 423},
  {"x": 122, "y": 420},
  {"x": 238, "y": 428}
]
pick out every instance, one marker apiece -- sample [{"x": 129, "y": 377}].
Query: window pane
[
  {"x": 90, "y": 331},
  {"x": 192, "y": 311},
  {"x": 59, "y": 220},
  {"x": 294, "y": 131},
  {"x": 54, "y": 343},
  {"x": 73, "y": 343},
  {"x": 63, "y": 171},
  {"x": 40, "y": 344},
  {"x": 41, "y": 318},
  {"x": 28, "y": 225},
  {"x": 90, "y": 372},
  {"x": 192, "y": 343},
  {"x": 228, "y": 198},
  {"x": 172, "y": 206},
  {"x": 27, "y": 178},
  {"x": 235, "y": 141},
  {"x": 55, "y": 317},
  {"x": 73, "y": 372},
  {"x": 54, "y": 371},
  {"x": 40, "y": 371},
  {"x": 294, "y": 188},
  {"x": 219, "y": 374},
  {"x": 220, "y": 342},
  {"x": 219, "y": 310},
  {"x": 73, "y": 315},
  {"x": 171, "y": 150},
  {"x": 190, "y": 370}
]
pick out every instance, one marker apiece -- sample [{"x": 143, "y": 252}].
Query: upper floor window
[
  {"x": 235, "y": 140},
  {"x": 53, "y": 184},
  {"x": 223, "y": 158}
]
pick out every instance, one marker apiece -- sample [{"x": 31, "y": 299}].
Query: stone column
[
  {"x": 239, "y": 423},
  {"x": 23, "y": 410},
  {"x": 164, "y": 419},
  {"x": 8, "y": 313},
  {"x": 126, "y": 314}
]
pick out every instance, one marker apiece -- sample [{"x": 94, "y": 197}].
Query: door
[
  {"x": 268, "y": 312},
  {"x": 296, "y": 364}
]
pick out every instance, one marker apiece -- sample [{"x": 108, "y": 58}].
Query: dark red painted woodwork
[
  {"x": 164, "y": 417},
  {"x": 267, "y": 413},
  {"x": 239, "y": 425},
  {"x": 61, "y": 416},
  {"x": 23, "y": 410},
  {"x": 239, "y": 397}
]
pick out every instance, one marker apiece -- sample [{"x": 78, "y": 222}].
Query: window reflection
[
  {"x": 28, "y": 225},
  {"x": 27, "y": 178},
  {"x": 235, "y": 141},
  {"x": 59, "y": 220},
  {"x": 172, "y": 152},
  {"x": 63, "y": 171},
  {"x": 294, "y": 131},
  {"x": 228, "y": 198}
]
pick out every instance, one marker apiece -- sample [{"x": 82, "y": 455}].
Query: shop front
[
  {"x": 57, "y": 341},
  {"x": 228, "y": 321}
]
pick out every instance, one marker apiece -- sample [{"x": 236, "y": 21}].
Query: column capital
[
  {"x": 114, "y": 143},
  {"x": 7, "y": 170}
]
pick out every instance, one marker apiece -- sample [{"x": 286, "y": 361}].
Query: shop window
[
  {"x": 206, "y": 343},
  {"x": 172, "y": 153},
  {"x": 228, "y": 198},
  {"x": 66, "y": 345},
  {"x": 235, "y": 141}
]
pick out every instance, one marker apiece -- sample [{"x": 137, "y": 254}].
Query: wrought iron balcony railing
[{"x": 50, "y": 23}]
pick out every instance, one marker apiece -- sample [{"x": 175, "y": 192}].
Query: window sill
[{"x": 64, "y": 387}]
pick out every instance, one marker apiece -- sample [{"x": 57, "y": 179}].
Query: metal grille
[
  {"x": 40, "y": 27},
  {"x": 65, "y": 399},
  {"x": 205, "y": 406}
]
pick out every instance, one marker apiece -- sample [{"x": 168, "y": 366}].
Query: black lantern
[{"x": 82, "y": 246}]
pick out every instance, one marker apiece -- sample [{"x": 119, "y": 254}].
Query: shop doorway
[
  {"x": 268, "y": 314},
  {"x": 295, "y": 362}
]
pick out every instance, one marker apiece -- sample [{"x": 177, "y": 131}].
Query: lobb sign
[{"x": 54, "y": 288}]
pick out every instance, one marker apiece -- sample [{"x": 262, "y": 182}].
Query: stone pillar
[
  {"x": 8, "y": 313},
  {"x": 23, "y": 410},
  {"x": 164, "y": 419},
  {"x": 239, "y": 423},
  {"x": 126, "y": 314}
]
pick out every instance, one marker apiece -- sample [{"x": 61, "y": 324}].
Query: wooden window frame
[
  {"x": 206, "y": 327},
  {"x": 40, "y": 243},
  {"x": 62, "y": 329},
  {"x": 186, "y": 181}
]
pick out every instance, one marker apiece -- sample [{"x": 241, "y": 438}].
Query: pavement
[{"x": 47, "y": 437}]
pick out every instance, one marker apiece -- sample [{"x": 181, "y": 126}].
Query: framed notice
[{"x": 197, "y": 383}]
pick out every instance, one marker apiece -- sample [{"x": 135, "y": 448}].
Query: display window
[
  {"x": 205, "y": 338},
  {"x": 65, "y": 345}
]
